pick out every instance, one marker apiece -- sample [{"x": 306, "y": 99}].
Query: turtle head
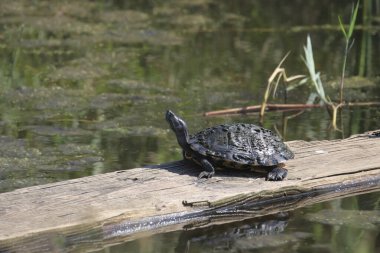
[{"x": 179, "y": 127}]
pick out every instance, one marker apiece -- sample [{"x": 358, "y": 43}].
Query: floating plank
[{"x": 102, "y": 208}]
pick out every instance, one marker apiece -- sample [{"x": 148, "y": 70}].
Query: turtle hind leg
[
  {"x": 277, "y": 174},
  {"x": 209, "y": 170}
]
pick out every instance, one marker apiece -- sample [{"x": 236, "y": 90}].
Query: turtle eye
[{"x": 187, "y": 155}]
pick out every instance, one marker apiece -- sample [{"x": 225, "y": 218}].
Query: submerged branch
[
  {"x": 257, "y": 108},
  {"x": 281, "y": 107}
]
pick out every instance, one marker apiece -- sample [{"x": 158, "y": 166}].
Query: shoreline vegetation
[{"x": 318, "y": 97}]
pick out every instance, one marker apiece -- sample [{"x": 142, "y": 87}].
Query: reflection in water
[
  {"x": 353, "y": 218},
  {"x": 241, "y": 236},
  {"x": 322, "y": 231}
]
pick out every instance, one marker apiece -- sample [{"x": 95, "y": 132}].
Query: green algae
[
  {"x": 23, "y": 165},
  {"x": 100, "y": 74}
]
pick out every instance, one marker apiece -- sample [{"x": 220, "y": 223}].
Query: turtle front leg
[
  {"x": 209, "y": 170},
  {"x": 277, "y": 174}
]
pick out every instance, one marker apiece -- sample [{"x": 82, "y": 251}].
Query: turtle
[{"x": 239, "y": 146}]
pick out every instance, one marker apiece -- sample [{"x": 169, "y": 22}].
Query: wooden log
[{"x": 103, "y": 208}]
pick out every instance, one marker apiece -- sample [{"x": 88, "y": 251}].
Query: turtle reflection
[{"x": 245, "y": 235}]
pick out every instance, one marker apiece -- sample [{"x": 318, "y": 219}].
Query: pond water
[
  {"x": 85, "y": 84},
  {"x": 343, "y": 225}
]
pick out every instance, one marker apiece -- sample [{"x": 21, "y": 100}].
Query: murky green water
[
  {"x": 84, "y": 86},
  {"x": 345, "y": 225}
]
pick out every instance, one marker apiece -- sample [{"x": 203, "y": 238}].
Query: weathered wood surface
[{"x": 130, "y": 201}]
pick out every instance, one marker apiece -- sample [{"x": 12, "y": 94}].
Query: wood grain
[{"x": 127, "y": 202}]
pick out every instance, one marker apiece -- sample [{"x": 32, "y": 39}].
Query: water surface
[{"x": 84, "y": 88}]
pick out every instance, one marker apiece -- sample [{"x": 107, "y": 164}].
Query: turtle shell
[{"x": 237, "y": 145}]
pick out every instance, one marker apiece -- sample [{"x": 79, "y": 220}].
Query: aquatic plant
[
  {"x": 277, "y": 75},
  {"x": 317, "y": 82},
  {"x": 349, "y": 43},
  {"x": 365, "y": 67},
  {"x": 315, "y": 76},
  {"x": 280, "y": 74}
]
